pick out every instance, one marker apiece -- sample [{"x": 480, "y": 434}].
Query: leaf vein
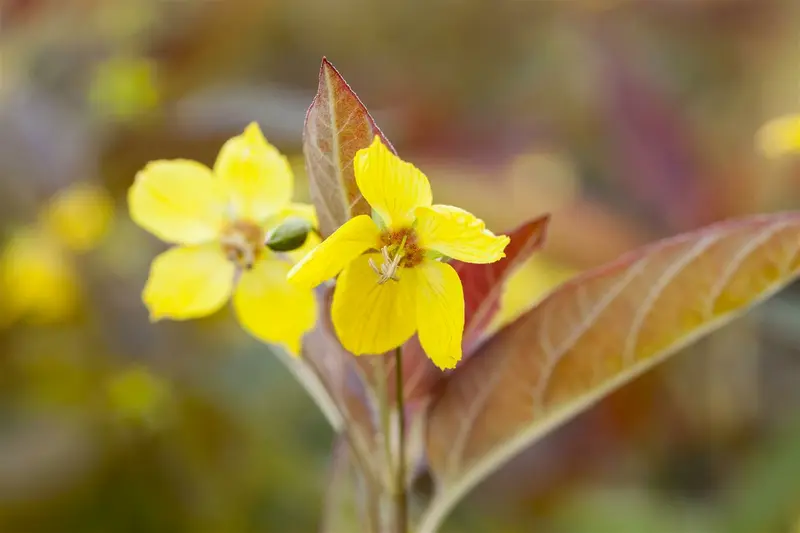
[
  {"x": 657, "y": 289},
  {"x": 731, "y": 268}
]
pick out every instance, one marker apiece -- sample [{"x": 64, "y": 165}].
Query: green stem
[{"x": 400, "y": 494}]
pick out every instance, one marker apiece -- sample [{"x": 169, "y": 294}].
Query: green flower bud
[{"x": 290, "y": 235}]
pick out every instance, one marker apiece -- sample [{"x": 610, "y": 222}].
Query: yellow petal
[
  {"x": 353, "y": 238},
  {"x": 178, "y": 201},
  {"x": 391, "y": 186},
  {"x": 440, "y": 313},
  {"x": 271, "y": 309},
  {"x": 780, "y": 136},
  {"x": 370, "y": 318},
  {"x": 79, "y": 216},
  {"x": 188, "y": 282},
  {"x": 458, "y": 234},
  {"x": 259, "y": 179},
  {"x": 306, "y": 212}
]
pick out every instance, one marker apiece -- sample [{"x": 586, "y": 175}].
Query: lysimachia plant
[{"x": 396, "y": 343}]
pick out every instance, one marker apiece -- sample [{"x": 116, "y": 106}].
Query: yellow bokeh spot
[
  {"x": 780, "y": 136},
  {"x": 528, "y": 285},
  {"x": 79, "y": 216},
  {"x": 124, "y": 86},
  {"x": 37, "y": 280},
  {"x": 136, "y": 394}
]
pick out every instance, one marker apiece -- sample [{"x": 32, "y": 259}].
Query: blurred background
[{"x": 628, "y": 120}]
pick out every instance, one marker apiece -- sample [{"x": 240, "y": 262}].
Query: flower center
[
  {"x": 400, "y": 249},
  {"x": 243, "y": 243}
]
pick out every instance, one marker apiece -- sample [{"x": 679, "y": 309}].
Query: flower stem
[{"x": 401, "y": 495}]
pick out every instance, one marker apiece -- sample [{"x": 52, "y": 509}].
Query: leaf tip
[
  {"x": 543, "y": 225},
  {"x": 326, "y": 67}
]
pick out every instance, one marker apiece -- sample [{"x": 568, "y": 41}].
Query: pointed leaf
[
  {"x": 337, "y": 126},
  {"x": 483, "y": 287},
  {"x": 592, "y": 335},
  {"x": 483, "y": 284}
]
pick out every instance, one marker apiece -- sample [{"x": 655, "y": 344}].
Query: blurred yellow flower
[
  {"x": 402, "y": 285},
  {"x": 38, "y": 279},
  {"x": 79, "y": 216},
  {"x": 780, "y": 136},
  {"x": 220, "y": 220},
  {"x": 137, "y": 394},
  {"x": 39, "y": 282}
]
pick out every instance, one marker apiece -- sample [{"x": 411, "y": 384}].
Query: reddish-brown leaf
[
  {"x": 342, "y": 380},
  {"x": 483, "y": 284},
  {"x": 337, "y": 126},
  {"x": 351, "y": 502},
  {"x": 595, "y": 333},
  {"x": 483, "y": 287}
]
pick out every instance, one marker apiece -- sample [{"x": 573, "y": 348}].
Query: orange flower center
[
  {"x": 400, "y": 249},
  {"x": 243, "y": 243},
  {"x": 403, "y": 241}
]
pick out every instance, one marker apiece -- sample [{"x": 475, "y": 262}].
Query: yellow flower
[
  {"x": 401, "y": 285},
  {"x": 780, "y": 136},
  {"x": 220, "y": 220},
  {"x": 38, "y": 279}
]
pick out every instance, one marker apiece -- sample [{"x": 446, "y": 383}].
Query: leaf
[
  {"x": 349, "y": 504},
  {"x": 336, "y": 383},
  {"x": 592, "y": 335},
  {"x": 483, "y": 284},
  {"x": 352, "y": 402},
  {"x": 337, "y": 126},
  {"x": 483, "y": 287}
]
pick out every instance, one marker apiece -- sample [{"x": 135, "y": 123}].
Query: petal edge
[
  {"x": 188, "y": 282},
  {"x": 393, "y": 187},
  {"x": 328, "y": 258},
  {"x": 257, "y": 176},
  {"x": 178, "y": 201},
  {"x": 458, "y": 234},
  {"x": 440, "y": 313},
  {"x": 271, "y": 309}
]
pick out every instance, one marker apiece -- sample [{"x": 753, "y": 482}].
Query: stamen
[
  {"x": 388, "y": 269},
  {"x": 242, "y": 244}
]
